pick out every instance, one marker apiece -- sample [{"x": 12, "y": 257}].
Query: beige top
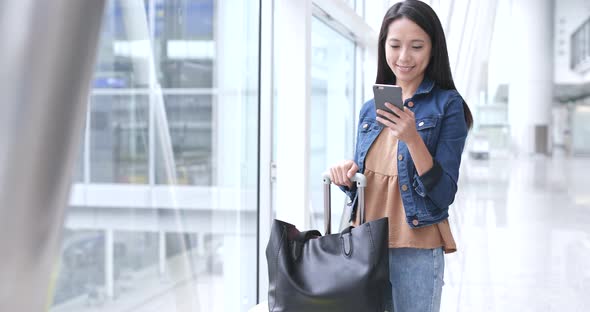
[{"x": 383, "y": 199}]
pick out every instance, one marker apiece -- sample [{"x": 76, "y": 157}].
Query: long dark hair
[{"x": 439, "y": 69}]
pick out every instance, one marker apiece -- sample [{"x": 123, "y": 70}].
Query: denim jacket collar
[{"x": 425, "y": 86}]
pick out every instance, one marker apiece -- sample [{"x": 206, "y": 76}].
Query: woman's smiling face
[{"x": 407, "y": 50}]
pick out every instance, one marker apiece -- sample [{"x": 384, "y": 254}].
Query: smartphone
[{"x": 387, "y": 93}]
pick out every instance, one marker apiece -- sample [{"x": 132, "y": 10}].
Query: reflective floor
[{"x": 523, "y": 233}]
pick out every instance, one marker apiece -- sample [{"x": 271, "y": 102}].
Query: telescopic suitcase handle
[{"x": 361, "y": 183}]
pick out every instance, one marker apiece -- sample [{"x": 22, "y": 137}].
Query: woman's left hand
[{"x": 402, "y": 127}]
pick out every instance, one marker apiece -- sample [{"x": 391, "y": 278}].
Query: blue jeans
[{"x": 416, "y": 276}]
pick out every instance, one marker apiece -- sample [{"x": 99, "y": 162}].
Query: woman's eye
[
  {"x": 395, "y": 46},
  {"x": 417, "y": 48}
]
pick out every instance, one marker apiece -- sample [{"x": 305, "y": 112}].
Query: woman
[{"x": 411, "y": 164}]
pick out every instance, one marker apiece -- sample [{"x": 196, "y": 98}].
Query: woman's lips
[{"x": 404, "y": 69}]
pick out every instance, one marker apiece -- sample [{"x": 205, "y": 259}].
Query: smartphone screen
[{"x": 387, "y": 93}]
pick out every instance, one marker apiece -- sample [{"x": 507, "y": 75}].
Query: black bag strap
[{"x": 346, "y": 237}]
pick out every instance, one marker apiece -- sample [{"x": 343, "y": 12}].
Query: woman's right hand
[{"x": 341, "y": 173}]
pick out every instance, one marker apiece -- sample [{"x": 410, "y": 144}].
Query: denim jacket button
[
  {"x": 421, "y": 124},
  {"x": 365, "y": 126},
  {"x": 400, "y": 157},
  {"x": 404, "y": 187},
  {"x": 410, "y": 104},
  {"x": 415, "y": 222}
]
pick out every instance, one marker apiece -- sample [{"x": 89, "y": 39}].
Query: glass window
[
  {"x": 581, "y": 130},
  {"x": 351, "y": 3},
  {"x": 332, "y": 113},
  {"x": 79, "y": 168},
  {"x": 81, "y": 268},
  {"x": 374, "y": 12},
  {"x": 190, "y": 124},
  {"x": 168, "y": 218},
  {"x": 119, "y": 140},
  {"x": 184, "y": 44},
  {"x": 580, "y": 46}
]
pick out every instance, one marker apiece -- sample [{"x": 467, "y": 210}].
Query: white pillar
[
  {"x": 293, "y": 79},
  {"x": 231, "y": 59},
  {"x": 266, "y": 124},
  {"x": 531, "y": 84},
  {"x": 162, "y": 252},
  {"x": 138, "y": 39},
  {"x": 109, "y": 259}
]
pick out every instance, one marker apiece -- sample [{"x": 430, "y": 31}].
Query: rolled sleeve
[
  {"x": 425, "y": 183},
  {"x": 440, "y": 184}
]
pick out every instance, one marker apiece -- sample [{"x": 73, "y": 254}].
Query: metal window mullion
[
  {"x": 167, "y": 91},
  {"x": 151, "y": 122},
  {"x": 266, "y": 87},
  {"x": 86, "y": 160}
]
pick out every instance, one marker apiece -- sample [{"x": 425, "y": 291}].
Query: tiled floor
[{"x": 523, "y": 232}]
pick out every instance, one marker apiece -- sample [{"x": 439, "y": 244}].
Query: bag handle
[
  {"x": 299, "y": 241},
  {"x": 361, "y": 183},
  {"x": 306, "y": 235},
  {"x": 302, "y": 237}
]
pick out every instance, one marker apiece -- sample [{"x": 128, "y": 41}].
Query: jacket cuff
[{"x": 425, "y": 183}]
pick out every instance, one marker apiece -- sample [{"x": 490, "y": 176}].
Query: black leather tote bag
[{"x": 348, "y": 271}]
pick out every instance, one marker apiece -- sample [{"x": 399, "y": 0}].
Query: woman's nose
[{"x": 403, "y": 55}]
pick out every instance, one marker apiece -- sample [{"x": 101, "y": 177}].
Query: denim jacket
[{"x": 441, "y": 124}]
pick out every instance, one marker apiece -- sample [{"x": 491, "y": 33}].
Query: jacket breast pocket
[
  {"x": 365, "y": 127},
  {"x": 428, "y": 129}
]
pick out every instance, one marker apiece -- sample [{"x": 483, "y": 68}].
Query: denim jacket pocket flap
[
  {"x": 425, "y": 123},
  {"x": 366, "y": 125}
]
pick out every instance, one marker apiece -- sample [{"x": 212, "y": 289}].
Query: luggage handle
[{"x": 361, "y": 183}]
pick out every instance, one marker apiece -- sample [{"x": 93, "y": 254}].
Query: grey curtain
[{"x": 46, "y": 63}]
